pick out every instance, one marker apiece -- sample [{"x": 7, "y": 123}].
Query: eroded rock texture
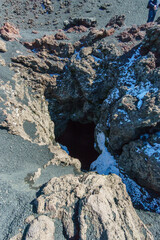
[{"x": 90, "y": 206}]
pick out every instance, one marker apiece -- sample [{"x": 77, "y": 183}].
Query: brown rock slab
[
  {"x": 91, "y": 206},
  {"x": 9, "y": 32}
]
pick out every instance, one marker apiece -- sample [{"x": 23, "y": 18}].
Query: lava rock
[
  {"x": 9, "y": 32},
  {"x": 140, "y": 160},
  {"x": 116, "y": 21},
  {"x": 100, "y": 204}
]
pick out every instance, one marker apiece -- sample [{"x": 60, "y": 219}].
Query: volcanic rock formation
[{"x": 82, "y": 70}]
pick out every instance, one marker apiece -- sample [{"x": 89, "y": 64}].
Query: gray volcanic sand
[{"x": 18, "y": 158}]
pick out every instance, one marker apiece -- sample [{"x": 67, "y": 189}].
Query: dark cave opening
[{"x": 79, "y": 139}]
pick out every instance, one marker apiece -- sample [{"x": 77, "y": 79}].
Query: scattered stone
[
  {"x": 47, "y": 4},
  {"x": 29, "y": 219},
  {"x": 35, "y": 32},
  {"x": 35, "y": 176},
  {"x": 2, "y": 61},
  {"x": 3, "y": 46},
  {"x": 140, "y": 160},
  {"x": 77, "y": 29},
  {"x": 40, "y": 228},
  {"x": 9, "y": 32},
  {"x": 105, "y": 6},
  {"x": 87, "y": 22},
  {"x": 116, "y": 21},
  {"x": 61, "y": 36}
]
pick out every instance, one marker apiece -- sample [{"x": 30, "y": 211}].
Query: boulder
[
  {"x": 47, "y": 5},
  {"x": 116, "y": 21},
  {"x": 91, "y": 206},
  {"x": 9, "y": 32},
  {"x": 151, "y": 42},
  {"x": 40, "y": 228},
  {"x": 87, "y": 22},
  {"x": 131, "y": 116},
  {"x": 96, "y": 35},
  {"x": 77, "y": 29},
  {"x": 60, "y": 36},
  {"x": 140, "y": 159},
  {"x": 3, "y": 46}
]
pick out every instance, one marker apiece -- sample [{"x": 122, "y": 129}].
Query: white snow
[
  {"x": 125, "y": 117},
  {"x": 151, "y": 150},
  {"x": 105, "y": 163},
  {"x": 127, "y": 76},
  {"x": 140, "y": 97}
]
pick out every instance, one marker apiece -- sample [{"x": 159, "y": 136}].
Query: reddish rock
[
  {"x": 109, "y": 32},
  {"x": 35, "y": 32},
  {"x": 61, "y": 36},
  {"x": 116, "y": 21},
  {"x": 95, "y": 35},
  {"x": 48, "y": 44},
  {"x": 9, "y": 32},
  {"x": 77, "y": 29},
  {"x": 125, "y": 37},
  {"x": 134, "y": 33},
  {"x": 77, "y": 45}
]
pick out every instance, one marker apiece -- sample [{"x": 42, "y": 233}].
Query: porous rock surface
[
  {"x": 141, "y": 159},
  {"x": 90, "y": 206},
  {"x": 41, "y": 228}
]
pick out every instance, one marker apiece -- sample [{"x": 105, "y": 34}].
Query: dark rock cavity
[{"x": 79, "y": 139}]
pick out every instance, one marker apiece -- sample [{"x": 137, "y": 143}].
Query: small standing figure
[{"x": 153, "y": 6}]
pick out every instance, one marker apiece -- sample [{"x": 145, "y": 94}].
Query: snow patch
[
  {"x": 114, "y": 95},
  {"x": 151, "y": 150},
  {"x": 105, "y": 163}
]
